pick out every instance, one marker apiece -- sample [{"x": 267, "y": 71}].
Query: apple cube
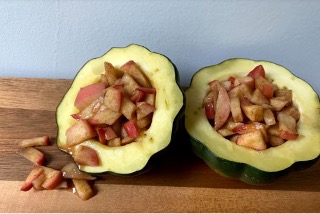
[
  {"x": 257, "y": 71},
  {"x": 269, "y": 117},
  {"x": 33, "y": 155},
  {"x": 278, "y": 103},
  {"x": 235, "y": 109},
  {"x": 137, "y": 96},
  {"x": 246, "y": 79},
  {"x": 225, "y": 132},
  {"x": 242, "y": 90},
  {"x": 128, "y": 108},
  {"x": 285, "y": 93},
  {"x": 129, "y": 84},
  {"x": 114, "y": 142},
  {"x": 144, "y": 109},
  {"x": 150, "y": 99},
  {"x": 274, "y": 130},
  {"x": 292, "y": 111},
  {"x": 104, "y": 117},
  {"x": 110, "y": 74},
  {"x": 90, "y": 110},
  {"x": 37, "y": 183},
  {"x": 227, "y": 85},
  {"x": 222, "y": 108},
  {"x": 135, "y": 71},
  {"x": 79, "y": 132},
  {"x": 264, "y": 86},
  {"x": 258, "y": 98},
  {"x": 275, "y": 141},
  {"x": 215, "y": 86},
  {"x": 88, "y": 94},
  {"x": 71, "y": 170},
  {"x": 254, "y": 140},
  {"x": 53, "y": 178},
  {"x": 37, "y": 141},
  {"x": 113, "y": 97},
  {"x": 35, "y": 173},
  {"x": 253, "y": 112},
  {"x": 86, "y": 156},
  {"x": 83, "y": 189},
  {"x": 144, "y": 122}
]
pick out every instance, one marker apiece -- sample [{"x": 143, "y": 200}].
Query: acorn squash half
[
  {"x": 248, "y": 165},
  {"x": 133, "y": 157}
]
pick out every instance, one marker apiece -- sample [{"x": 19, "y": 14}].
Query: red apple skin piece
[
  {"x": 33, "y": 155},
  {"x": 88, "y": 94},
  {"x": 147, "y": 90},
  {"x": 79, "y": 132},
  {"x": 286, "y": 135},
  {"x": 37, "y": 183},
  {"x": 86, "y": 156},
  {"x": 53, "y": 178},
  {"x": 113, "y": 97},
  {"x": 131, "y": 129},
  {"x": 83, "y": 189},
  {"x": 35, "y": 173},
  {"x": 257, "y": 71},
  {"x": 137, "y": 96},
  {"x": 268, "y": 90},
  {"x": 222, "y": 108},
  {"x": 37, "y": 141},
  {"x": 137, "y": 74}
]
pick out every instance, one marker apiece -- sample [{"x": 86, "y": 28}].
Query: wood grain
[{"x": 178, "y": 181}]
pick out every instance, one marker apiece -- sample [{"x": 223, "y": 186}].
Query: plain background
[{"x": 53, "y": 39}]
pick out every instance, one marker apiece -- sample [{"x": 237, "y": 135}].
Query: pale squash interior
[
  {"x": 305, "y": 147},
  {"x": 169, "y": 100}
]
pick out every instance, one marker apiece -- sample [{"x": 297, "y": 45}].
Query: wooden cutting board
[{"x": 178, "y": 182}]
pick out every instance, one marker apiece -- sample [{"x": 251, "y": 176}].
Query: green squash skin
[
  {"x": 176, "y": 126},
  {"x": 242, "y": 171}
]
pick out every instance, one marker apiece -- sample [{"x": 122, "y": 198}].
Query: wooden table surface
[{"x": 178, "y": 182}]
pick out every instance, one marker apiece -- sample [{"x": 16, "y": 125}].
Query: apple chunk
[
  {"x": 85, "y": 155},
  {"x": 112, "y": 98},
  {"x": 37, "y": 141},
  {"x": 88, "y": 94},
  {"x": 79, "y": 132},
  {"x": 253, "y": 112},
  {"x": 253, "y": 140},
  {"x": 53, "y": 178},
  {"x": 222, "y": 108},
  {"x": 34, "y": 174},
  {"x": 83, "y": 189},
  {"x": 144, "y": 109},
  {"x": 135, "y": 71},
  {"x": 105, "y": 116},
  {"x": 33, "y": 155}
]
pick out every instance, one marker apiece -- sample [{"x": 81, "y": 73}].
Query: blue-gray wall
[{"x": 53, "y": 39}]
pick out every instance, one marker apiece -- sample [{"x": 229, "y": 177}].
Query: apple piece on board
[
  {"x": 53, "y": 178},
  {"x": 105, "y": 116},
  {"x": 253, "y": 112},
  {"x": 135, "y": 71},
  {"x": 236, "y": 109},
  {"x": 71, "y": 170},
  {"x": 254, "y": 140},
  {"x": 79, "y": 132},
  {"x": 85, "y": 155},
  {"x": 37, "y": 183},
  {"x": 33, "y": 155},
  {"x": 83, "y": 189},
  {"x": 88, "y": 94},
  {"x": 128, "y": 108},
  {"x": 35, "y": 172},
  {"x": 222, "y": 108},
  {"x": 37, "y": 141},
  {"x": 113, "y": 97},
  {"x": 144, "y": 109}
]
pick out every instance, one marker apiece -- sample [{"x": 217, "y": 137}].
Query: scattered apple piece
[
  {"x": 37, "y": 141},
  {"x": 83, "y": 189},
  {"x": 33, "y": 155}
]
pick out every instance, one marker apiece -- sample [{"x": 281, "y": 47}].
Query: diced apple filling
[
  {"x": 115, "y": 110},
  {"x": 252, "y": 111}
]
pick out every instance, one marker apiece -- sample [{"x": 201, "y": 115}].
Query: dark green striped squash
[
  {"x": 134, "y": 157},
  {"x": 233, "y": 161}
]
